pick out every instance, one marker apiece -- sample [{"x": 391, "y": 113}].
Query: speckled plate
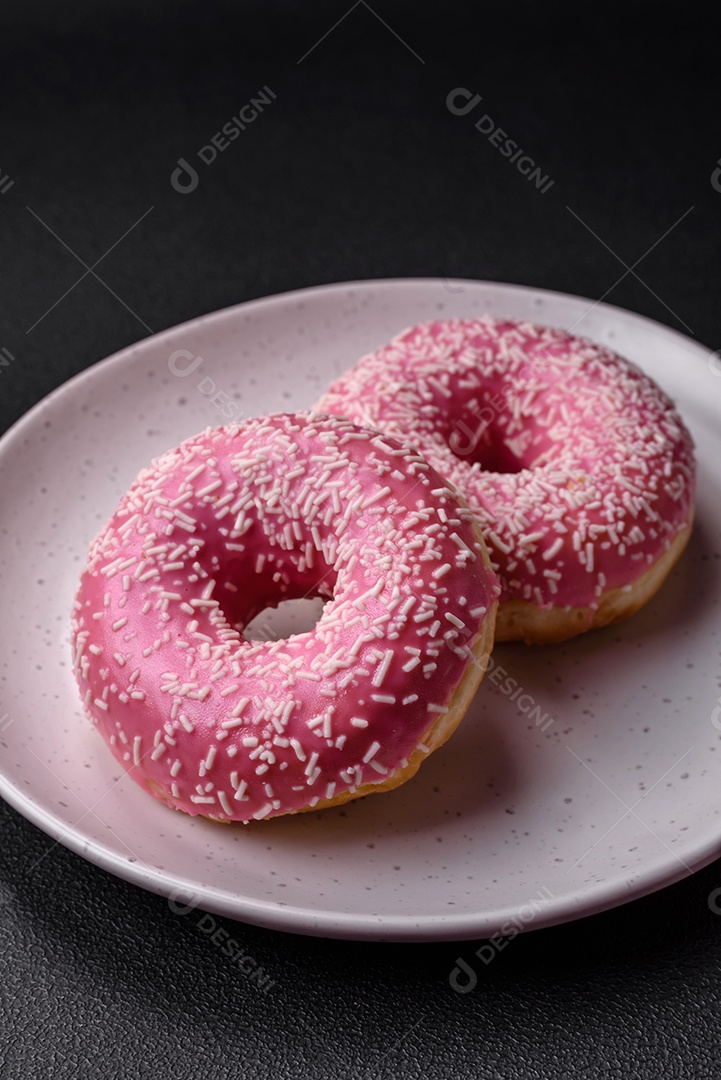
[{"x": 582, "y": 776}]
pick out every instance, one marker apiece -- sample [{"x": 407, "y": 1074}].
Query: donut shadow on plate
[{"x": 460, "y": 779}]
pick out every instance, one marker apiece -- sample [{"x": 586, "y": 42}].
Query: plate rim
[
  {"x": 225, "y": 312},
  {"x": 588, "y": 900}
]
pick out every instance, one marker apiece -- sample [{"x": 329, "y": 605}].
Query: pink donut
[
  {"x": 233, "y": 521},
  {"x": 579, "y": 468}
]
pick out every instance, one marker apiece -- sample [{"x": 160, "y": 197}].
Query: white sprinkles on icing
[
  {"x": 605, "y": 465},
  {"x": 236, "y": 519}
]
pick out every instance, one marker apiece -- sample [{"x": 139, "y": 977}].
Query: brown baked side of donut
[{"x": 520, "y": 620}]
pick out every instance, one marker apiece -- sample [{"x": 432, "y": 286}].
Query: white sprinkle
[
  {"x": 239, "y": 707},
  {"x": 310, "y": 676},
  {"x": 299, "y": 752},
  {"x": 554, "y": 549},
  {"x": 423, "y": 616},
  {"x": 358, "y": 721},
  {"x": 407, "y": 605},
  {"x": 463, "y": 545},
  {"x": 382, "y": 669},
  {"x": 455, "y": 620},
  {"x": 371, "y": 752},
  {"x": 375, "y": 498},
  {"x": 228, "y": 725},
  {"x": 589, "y": 557},
  {"x": 209, "y": 489}
]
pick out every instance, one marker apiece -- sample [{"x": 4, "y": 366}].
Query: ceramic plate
[{"x": 596, "y": 782}]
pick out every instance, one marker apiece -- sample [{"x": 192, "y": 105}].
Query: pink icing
[
  {"x": 577, "y": 464},
  {"x": 235, "y": 520}
]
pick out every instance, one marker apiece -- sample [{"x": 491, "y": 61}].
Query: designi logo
[
  {"x": 716, "y": 177},
  {"x": 178, "y": 177},
  {"x": 184, "y": 178}
]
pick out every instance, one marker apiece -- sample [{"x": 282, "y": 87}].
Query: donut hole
[
  {"x": 285, "y": 619},
  {"x": 271, "y": 593},
  {"x": 497, "y": 458},
  {"x": 482, "y": 443}
]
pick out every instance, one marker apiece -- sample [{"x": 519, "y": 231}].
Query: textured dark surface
[{"x": 357, "y": 169}]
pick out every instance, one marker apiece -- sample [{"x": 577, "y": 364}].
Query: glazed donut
[
  {"x": 579, "y": 468},
  {"x": 233, "y": 521}
]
